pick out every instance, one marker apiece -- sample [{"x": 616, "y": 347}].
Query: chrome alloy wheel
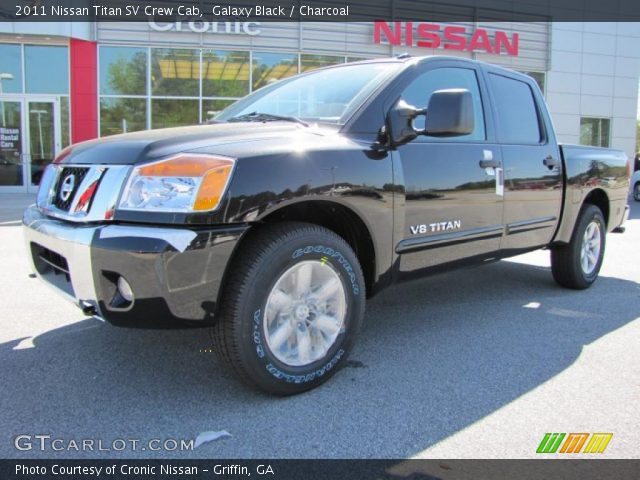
[
  {"x": 305, "y": 313},
  {"x": 591, "y": 245}
]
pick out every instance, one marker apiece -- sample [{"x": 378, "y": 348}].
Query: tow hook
[{"x": 88, "y": 309}]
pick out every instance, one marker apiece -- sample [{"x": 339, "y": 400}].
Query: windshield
[{"x": 330, "y": 95}]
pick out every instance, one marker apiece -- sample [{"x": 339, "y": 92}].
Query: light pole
[{"x": 4, "y": 76}]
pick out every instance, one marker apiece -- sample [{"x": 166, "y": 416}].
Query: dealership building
[{"x": 62, "y": 83}]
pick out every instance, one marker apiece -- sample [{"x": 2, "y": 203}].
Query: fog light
[{"x": 124, "y": 289}]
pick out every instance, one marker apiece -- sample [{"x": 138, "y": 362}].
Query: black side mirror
[
  {"x": 400, "y": 123},
  {"x": 450, "y": 113}
]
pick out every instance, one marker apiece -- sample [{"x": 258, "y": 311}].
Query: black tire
[
  {"x": 239, "y": 333},
  {"x": 566, "y": 264},
  {"x": 636, "y": 192}
]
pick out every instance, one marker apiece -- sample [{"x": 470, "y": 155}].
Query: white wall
[
  {"x": 594, "y": 70},
  {"x": 81, "y": 30}
]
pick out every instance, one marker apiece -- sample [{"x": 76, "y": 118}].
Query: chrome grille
[
  {"x": 102, "y": 202},
  {"x": 62, "y": 199}
]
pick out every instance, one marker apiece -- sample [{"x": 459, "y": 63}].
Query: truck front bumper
[{"x": 174, "y": 274}]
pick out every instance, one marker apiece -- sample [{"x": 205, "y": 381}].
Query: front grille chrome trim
[{"x": 111, "y": 181}]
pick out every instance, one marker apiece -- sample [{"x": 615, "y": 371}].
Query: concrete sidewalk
[{"x": 13, "y": 204}]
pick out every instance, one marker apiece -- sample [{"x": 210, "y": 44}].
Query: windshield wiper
[{"x": 266, "y": 117}]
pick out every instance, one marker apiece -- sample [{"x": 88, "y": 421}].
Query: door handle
[
  {"x": 550, "y": 162},
  {"x": 489, "y": 163}
]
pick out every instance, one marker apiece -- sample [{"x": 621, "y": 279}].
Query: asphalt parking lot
[{"x": 476, "y": 363}]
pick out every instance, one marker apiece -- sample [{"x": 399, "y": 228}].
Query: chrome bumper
[
  {"x": 175, "y": 273},
  {"x": 73, "y": 243}
]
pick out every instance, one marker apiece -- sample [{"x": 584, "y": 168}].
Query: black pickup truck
[{"x": 273, "y": 224}]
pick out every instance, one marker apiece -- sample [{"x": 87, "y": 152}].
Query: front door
[
  {"x": 453, "y": 185},
  {"x": 30, "y": 138},
  {"x": 43, "y": 137}
]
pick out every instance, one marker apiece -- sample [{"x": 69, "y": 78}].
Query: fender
[
  {"x": 348, "y": 177},
  {"x": 606, "y": 186}
]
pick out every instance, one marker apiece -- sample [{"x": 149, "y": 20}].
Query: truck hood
[{"x": 145, "y": 146}]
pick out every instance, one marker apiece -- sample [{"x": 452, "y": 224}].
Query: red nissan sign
[{"x": 451, "y": 37}]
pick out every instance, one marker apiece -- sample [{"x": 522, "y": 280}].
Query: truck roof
[{"x": 409, "y": 59}]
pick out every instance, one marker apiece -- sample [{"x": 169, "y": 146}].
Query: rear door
[
  {"x": 453, "y": 208},
  {"x": 531, "y": 161}
]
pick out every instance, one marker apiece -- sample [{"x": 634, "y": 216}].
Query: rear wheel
[
  {"x": 291, "y": 308},
  {"x": 577, "y": 265},
  {"x": 636, "y": 192}
]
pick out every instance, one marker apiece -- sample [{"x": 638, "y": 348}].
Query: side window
[
  {"x": 517, "y": 115},
  {"x": 419, "y": 91}
]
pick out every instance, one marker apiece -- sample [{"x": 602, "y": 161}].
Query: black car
[{"x": 273, "y": 224}]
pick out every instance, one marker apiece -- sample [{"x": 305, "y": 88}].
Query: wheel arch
[
  {"x": 572, "y": 212},
  {"x": 600, "y": 199},
  {"x": 333, "y": 216},
  {"x": 340, "y": 219}
]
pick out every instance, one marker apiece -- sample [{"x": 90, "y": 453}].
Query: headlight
[{"x": 184, "y": 183}]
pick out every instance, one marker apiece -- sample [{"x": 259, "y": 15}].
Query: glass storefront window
[
  {"x": 271, "y": 67},
  {"x": 310, "y": 62},
  {"x": 121, "y": 115},
  {"x": 10, "y": 143},
  {"x": 356, "y": 59},
  {"x": 210, "y": 108},
  {"x": 167, "y": 113},
  {"x": 46, "y": 69},
  {"x": 10, "y": 68},
  {"x": 123, "y": 71},
  {"x": 42, "y": 143},
  {"x": 595, "y": 131},
  {"x": 225, "y": 74},
  {"x": 175, "y": 72},
  {"x": 185, "y": 86}
]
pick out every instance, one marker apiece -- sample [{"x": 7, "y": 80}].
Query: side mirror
[
  {"x": 400, "y": 123},
  {"x": 450, "y": 113}
]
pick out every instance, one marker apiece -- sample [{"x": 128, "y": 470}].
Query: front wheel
[
  {"x": 577, "y": 265},
  {"x": 636, "y": 192},
  {"x": 291, "y": 308}
]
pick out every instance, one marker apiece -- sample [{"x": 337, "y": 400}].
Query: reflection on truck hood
[{"x": 140, "y": 147}]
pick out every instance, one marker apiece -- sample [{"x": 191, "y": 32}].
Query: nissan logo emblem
[{"x": 66, "y": 189}]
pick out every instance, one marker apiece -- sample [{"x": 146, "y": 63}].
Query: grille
[
  {"x": 64, "y": 203},
  {"x": 47, "y": 260}
]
